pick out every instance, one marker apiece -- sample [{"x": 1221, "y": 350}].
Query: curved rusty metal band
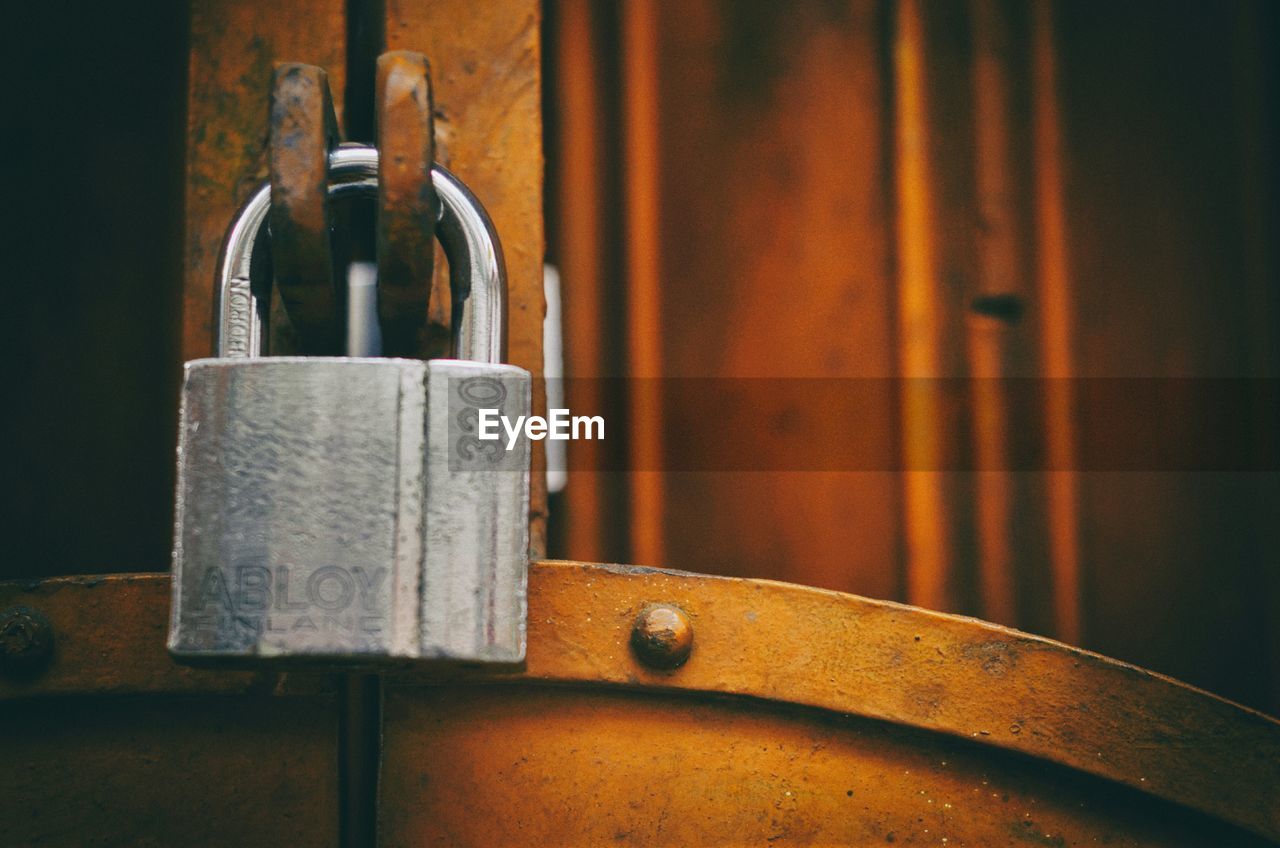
[
  {"x": 303, "y": 129},
  {"x": 778, "y": 643},
  {"x": 407, "y": 203}
]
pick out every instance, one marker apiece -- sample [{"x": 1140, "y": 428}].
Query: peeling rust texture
[
  {"x": 407, "y": 204},
  {"x": 302, "y": 130},
  {"x": 769, "y": 646}
]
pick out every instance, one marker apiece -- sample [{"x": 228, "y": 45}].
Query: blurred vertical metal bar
[
  {"x": 930, "y": 275},
  {"x": 1057, "y": 321},
  {"x": 643, "y": 260},
  {"x": 995, "y": 311},
  {"x": 582, "y": 247}
]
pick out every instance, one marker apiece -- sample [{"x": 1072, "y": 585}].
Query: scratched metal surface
[
  {"x": 289, "y": 506},
  {"x": 344, "y": 509},
  {"x": 475, "y": 532}
]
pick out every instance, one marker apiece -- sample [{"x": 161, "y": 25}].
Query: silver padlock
[{"x": 344, "y": 509}]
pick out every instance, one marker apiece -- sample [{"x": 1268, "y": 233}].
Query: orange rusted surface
[
  {"x": 234, "y": 45},
  {"x": 934, "y": 271},
  {"x": 965, "y": 684},
  {"x": 638, "y": 34},
  {"x": 303, "y": 128},
  {"x": 998, "y": 342},
  {"x": 205, "y": 758},
  {"x": 1057, "y": 304},
  {"x": 957, "y": 676},
  {"x": 407, "y": 204},
  {"x": 769, "y": 159},
  {"x": 484, "y": 766},
  {"x": 575, "y": 165},
  {"x": 109, "y": 639}
]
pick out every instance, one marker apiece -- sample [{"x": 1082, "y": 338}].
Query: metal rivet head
[
  {"x": 662, "y": 636},
  {"x": 26, "y": 640}
]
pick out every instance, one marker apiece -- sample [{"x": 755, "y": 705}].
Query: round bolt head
[
  {"x": 662, "y": 637},
  {"x": 26, "y": 639}
]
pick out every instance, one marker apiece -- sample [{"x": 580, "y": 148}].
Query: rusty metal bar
[
  {"x": 302, "y": 130},
  {"x": 1057, "y": 297},
  {"x": 994, "y": 329},
  {"x": 643, "y": 268},
  {"x": 407, "y": 203},
  {"x": 931, "y": 273},
  {"x": 582, "y": 245}
]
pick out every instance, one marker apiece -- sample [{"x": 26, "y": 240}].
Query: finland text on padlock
[{"x": 341, "y": 509}]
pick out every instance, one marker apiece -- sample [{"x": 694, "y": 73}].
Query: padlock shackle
[{"x": 477, "y": 272}]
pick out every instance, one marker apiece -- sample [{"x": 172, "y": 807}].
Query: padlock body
[{"x": 319, "y": 514}]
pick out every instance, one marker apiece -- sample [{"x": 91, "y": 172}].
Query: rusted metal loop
[
  {"x": 407, "y": 203},
  {"x": 303, "y": 129},
  {"x": 477, "y": 271}
]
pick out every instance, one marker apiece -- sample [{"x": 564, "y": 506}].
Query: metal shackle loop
[{"x": 477, "y": 272}]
